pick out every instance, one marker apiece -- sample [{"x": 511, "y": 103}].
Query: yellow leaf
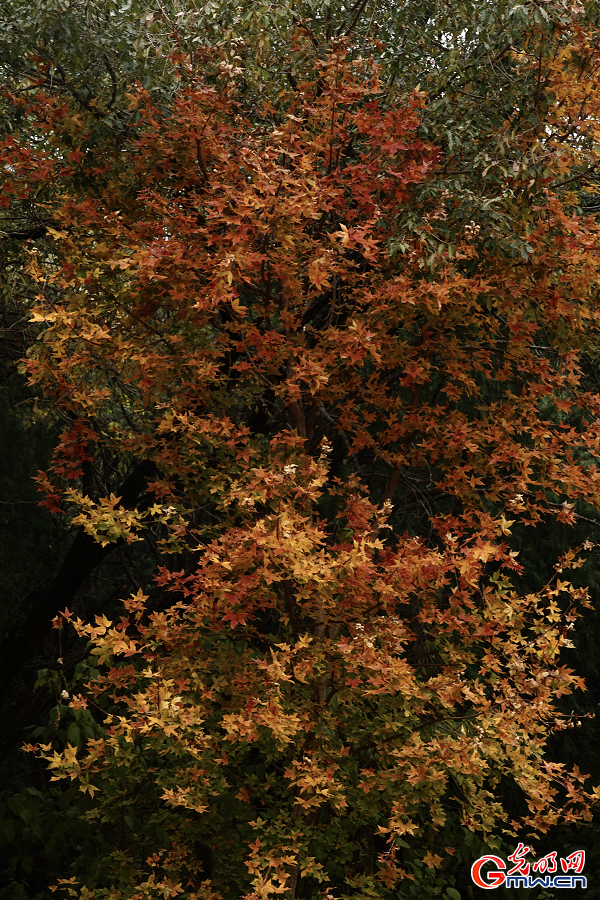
[
  {"x": 432, "y": 861},
  {"x": 505, "y": 524}
]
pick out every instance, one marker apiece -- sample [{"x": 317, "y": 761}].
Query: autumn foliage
[{"x": 345, "y": 428}]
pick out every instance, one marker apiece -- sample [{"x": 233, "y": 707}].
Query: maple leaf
[
  {"x": 235, "y": 618},
  {"x": 432, "y": 861}
]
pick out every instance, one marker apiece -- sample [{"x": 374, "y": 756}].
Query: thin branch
[
  {"x": 113, "y": 78},
  {"x": 357, "y": 9}
]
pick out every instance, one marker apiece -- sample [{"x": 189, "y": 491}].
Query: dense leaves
[
  {"x": 229, "y": 300},
  {"x": 352, "y": 361}
]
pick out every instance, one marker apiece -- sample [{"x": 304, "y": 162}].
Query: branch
[
  {"x": 113, "y": 78},
  {"x": 357, "y": 9}
]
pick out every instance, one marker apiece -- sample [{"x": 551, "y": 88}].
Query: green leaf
[{"x": 74, "y": 735}]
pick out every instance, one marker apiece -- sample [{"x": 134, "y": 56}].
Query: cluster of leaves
[
  {"x": 229, "y": 300},
  {"x": 355, "y": 339}
]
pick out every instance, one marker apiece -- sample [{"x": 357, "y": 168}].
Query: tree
[{"x": 338, "y": 672}]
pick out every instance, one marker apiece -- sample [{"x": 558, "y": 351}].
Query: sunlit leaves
[{"x": 245, "y": 305}]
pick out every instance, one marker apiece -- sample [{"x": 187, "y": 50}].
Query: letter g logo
[{"x": 494, "y": 878}]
